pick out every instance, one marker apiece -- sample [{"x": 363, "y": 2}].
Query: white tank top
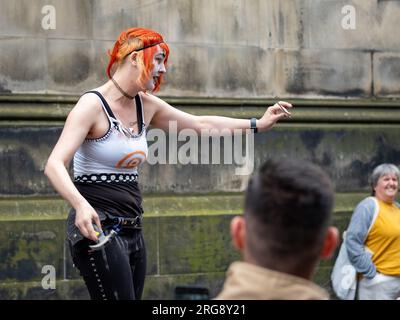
[{"x": 115, "y": 156}]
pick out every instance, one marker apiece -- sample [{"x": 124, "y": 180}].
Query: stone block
[
  {"x": 206, "y": 248},
  {"x": 282, "y": 24},
  {"x": 70, "y": 66},
  {"x": 214, "y": 71},
  {"x": 73, "y": 19},
  {"x": 244, "y": 72},
  {"x": 20, "y": 18},
  {"x": 110, "y": 18},
  {"x": 324, "y": 73},
  {"x": 23, "y": 65},
  {"x": 387, "y": 74},
  {"x": 193, "y": 22},
  {"x": 27, "y": 246},
  {"x": 374, "y": 21},
  {"x": 208, "y": 23},
  {"x": 188, "y": 71},
  {"x": 33, "y": 208},
  {"x": 22, "y": 161}
]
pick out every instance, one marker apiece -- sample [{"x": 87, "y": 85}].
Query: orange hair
[{"x": 144, "y": 41}]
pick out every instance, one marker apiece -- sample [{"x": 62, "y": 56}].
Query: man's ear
[
  {"x": 330, "y": 243},
  {"x": 238, "y": 232}
]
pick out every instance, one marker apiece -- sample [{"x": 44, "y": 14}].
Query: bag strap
[{"x": 376, "y": 212}]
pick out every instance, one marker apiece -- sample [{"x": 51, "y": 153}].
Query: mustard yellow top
[{"x": 384, "y": 239}]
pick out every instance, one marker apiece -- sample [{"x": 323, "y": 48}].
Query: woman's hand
[
  {"x": 85, "y": 217},
  {"x": 272, "y": 115}
]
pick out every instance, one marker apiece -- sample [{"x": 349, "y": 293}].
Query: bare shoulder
[
  {"x": 152, "y": 101},
  {"x": 88, "y": 103},
  {"x": 88, "y": 108}
]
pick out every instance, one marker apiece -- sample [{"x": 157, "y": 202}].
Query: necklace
[{"x": 120, "y": 89}]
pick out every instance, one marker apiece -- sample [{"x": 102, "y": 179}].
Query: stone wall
[
  {"x": 229, "y": 58},
  {"x": 232, "y": 48},
  {"x": 187, "y": 207},
  {"x": 187, "y": 240},
  {"x": 347, "y": 153}
]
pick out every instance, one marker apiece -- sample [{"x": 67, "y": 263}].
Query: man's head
[{"x": 285, "y": 226}]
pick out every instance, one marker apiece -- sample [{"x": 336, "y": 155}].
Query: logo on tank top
[{"x": 131, "y": 160}]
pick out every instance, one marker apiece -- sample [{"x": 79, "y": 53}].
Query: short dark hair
[{"x": 288, "y": 207}]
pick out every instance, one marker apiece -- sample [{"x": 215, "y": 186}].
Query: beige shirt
[{"x": 247, "y": 281}]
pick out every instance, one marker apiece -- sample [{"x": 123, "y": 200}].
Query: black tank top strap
[
  {"x": 105, "y": 104},
  {"x": 139, "y": 111}
]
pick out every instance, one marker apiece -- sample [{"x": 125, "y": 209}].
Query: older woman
[
  {"x": 373, "y": 237},
  {"x": 105, "y": 134}
]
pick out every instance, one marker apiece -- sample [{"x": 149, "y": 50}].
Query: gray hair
[{"x": 382, "y": 170}]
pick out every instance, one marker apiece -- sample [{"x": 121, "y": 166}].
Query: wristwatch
[{"x": 253, "y": 125}]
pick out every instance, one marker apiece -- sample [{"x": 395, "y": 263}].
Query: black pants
[{"x": 116, "y": 272}]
